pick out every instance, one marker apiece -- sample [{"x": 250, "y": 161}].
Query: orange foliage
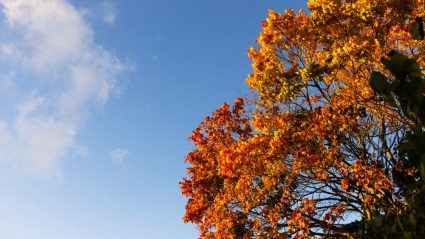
[{"x": 314, "y": 146}]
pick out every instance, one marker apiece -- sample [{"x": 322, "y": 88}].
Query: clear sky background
[{"x": 97, "y": 99}]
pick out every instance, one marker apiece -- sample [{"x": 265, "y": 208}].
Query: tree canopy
[{"x": 315, "y": 151}]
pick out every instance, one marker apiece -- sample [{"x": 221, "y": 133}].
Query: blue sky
[{"x": 97, "y": 101}]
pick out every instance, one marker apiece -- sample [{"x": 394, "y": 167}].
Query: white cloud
[
  {"x": 49, "y": 53},
  {"x": 118, "y": 155},
  {"x": 108, "y": 12}
]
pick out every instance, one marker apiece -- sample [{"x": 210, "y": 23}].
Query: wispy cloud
[
  {"x": 118, "y": 155},
  {"x": 108, "y": 12},
  {"x": 48, "y": 52}
]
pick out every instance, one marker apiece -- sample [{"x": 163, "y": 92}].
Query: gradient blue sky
[{"x": 97, "y": 101}]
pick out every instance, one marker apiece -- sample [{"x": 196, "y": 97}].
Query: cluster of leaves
[
  {"x": 407, "y": 93},
  {"x": 315, "y": 148}
]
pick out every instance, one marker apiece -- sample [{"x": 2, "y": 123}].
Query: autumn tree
[{"x": 314, "y": 151}]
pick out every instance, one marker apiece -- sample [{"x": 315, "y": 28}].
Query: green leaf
[
  {"x": 417, "y": 29},
  {"x": 412, "y": 221},
  {"x": 378, "y": 82},
  {"x": 407, "y": 235},
  {"x": 378, "y": 221},
  {"x": 407, "y": 146},
  {"x": 422, "y": 167},
  {"x": 397, "y": 65},
  {"x": 388, "y": 97},
  {"x": 412, "y": 67}
]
